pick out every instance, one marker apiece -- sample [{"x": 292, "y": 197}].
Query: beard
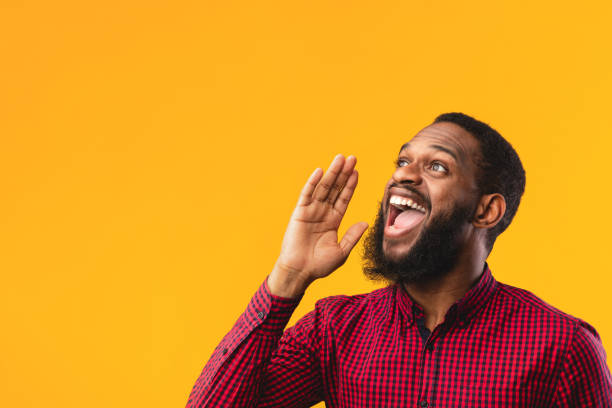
[{"x": 435, "y": 252}]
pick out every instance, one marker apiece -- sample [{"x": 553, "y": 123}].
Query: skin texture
[
  {"x": 443, "y": 181},
  {"x": 434, "y": 252},
  {"x": 439, "y": 165},
  {"x": 440, "y": 162},
  {"x": 310, "y": 248}
]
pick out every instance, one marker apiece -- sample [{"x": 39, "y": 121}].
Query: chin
[{"x": 396, "y": 251}]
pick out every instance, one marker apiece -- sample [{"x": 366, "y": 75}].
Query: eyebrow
[{"x": 437, "y": 147}]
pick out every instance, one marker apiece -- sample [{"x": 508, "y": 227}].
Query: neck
[{"x": 438, "y": 296}]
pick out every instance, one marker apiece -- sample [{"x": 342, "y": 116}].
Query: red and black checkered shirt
[{"x": 499, "y": 346}]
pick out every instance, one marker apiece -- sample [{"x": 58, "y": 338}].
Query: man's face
[{"x": 436, "y": 173}]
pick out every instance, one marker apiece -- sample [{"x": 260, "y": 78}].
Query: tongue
[{"x": 408, "y": 219}]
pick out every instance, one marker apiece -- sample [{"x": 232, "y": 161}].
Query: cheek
[
  {"x": 467, "y": 197},
  {"x": 385, "y": 196},
  {"x": 441, "y": 200},
  {"x": 450, "y": 195},
  {"x": 388, "y": 185}
]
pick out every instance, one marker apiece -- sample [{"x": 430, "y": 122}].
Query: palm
[{"x": 311, "y": 242}]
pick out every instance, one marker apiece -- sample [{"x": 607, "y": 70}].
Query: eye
[
  {"x": 438, "y": 167},
  {"x": 400, "y": 163}
]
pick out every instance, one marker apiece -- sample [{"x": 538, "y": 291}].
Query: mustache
[{"x": 414, "y": 191}]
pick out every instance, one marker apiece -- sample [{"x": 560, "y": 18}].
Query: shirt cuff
[{"x": 269, "y": 312}]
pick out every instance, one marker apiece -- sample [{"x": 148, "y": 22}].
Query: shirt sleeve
[
  {"x": 585, "y": 379},
  {"x": 256, "y": 365}
]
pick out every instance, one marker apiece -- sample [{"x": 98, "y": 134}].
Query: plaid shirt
[{"x": 499, "y": 346}]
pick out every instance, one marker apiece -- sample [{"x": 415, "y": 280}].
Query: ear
[{"x": 490, "y": 210}]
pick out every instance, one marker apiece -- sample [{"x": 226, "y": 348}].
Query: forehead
[{"x": 448, "y": 137}]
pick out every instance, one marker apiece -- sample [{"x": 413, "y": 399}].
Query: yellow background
[{"x": 152, "y": 153}]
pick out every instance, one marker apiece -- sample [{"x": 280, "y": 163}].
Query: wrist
[{"x": 287, "y": 284}]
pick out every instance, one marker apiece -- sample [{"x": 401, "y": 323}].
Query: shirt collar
[{"x": 463, "y": 309}]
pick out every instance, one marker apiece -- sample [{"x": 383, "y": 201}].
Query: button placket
[{"x": 427, "y": 383}]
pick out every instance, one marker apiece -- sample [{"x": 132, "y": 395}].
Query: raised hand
[{"x": 310, "y": 248}]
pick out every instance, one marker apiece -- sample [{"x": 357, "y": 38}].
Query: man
[{"x": 444, "y": 332}]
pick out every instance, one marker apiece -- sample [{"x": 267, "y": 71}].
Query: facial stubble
[{"x": 432, "y": 256}]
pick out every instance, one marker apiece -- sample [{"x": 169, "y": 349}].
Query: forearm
[
  {"x": 233, "y": 375},
  {"x": 234, "y": 381},
  {"x": 244, "y": 365}
]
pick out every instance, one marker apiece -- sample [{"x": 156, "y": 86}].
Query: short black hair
[{"x": 500, "y": 169}]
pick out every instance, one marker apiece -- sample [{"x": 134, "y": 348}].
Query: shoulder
[
  {"x": 341, "y": 309},
  {"x": 348, "y": 303},
  {"x": 534, "y": 311}
]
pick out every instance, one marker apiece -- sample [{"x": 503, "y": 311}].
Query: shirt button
[
  {"x": 423, "y": 404},
  {"x": 430, "y": 347},
  {"x": 260, "y": 315}
]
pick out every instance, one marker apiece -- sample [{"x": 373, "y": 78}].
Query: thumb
[{"x": 351, "y": 237}]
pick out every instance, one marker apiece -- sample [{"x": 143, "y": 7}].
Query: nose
[{"x": 408, "y": 174}]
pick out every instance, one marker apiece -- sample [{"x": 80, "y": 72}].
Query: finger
[
  {"x": 347, "y": 193},
  {"x": 351, "y": 237},
  {"x": 328, "y": 180},
  {"x": 344, "y": 175},
  {"x": 309, "y": 187}
]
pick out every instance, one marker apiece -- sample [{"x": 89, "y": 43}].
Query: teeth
[{"x": 402, "y": 201}]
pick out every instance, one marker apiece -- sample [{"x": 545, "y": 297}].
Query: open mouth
[{"x": 404, "y": 215}]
